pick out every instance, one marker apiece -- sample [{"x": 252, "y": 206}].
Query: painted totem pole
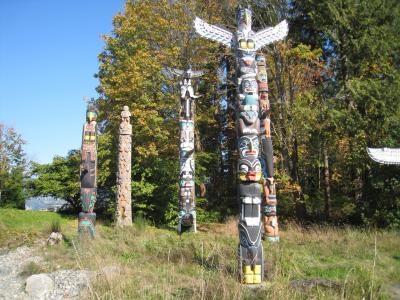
[
  {"x": 245, "y": 43},
  {"x": 271, "y": 231},
  {"x": 124, "y": 201},
  {"x": 187, "y": 204},
  {"x": 87, "y": 218}
]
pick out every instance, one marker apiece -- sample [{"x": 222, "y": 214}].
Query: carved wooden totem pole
[
  {"x": 271, "y": 231},
  {"x": 87, "y": 218},
  {"x": 187, "y": 204},
  {"x": 124, "y": 206},
  {"x": 245, "y": 43}
]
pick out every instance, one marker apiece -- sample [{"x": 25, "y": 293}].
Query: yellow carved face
[
  {"x": 249, "y": 169},
  {"x": 91, "y": 116}
]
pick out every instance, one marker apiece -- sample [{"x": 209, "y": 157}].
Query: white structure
[{"x": 387, "y": 156}]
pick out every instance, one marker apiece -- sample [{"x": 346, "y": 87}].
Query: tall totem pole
[
  {"x": 245, "y": 43},
  {"x": 271, "y": 231},
  {"x": 124, "y": 202},
  {"x": 187, "y": 204},
  {"x": 87, "y": 218}
]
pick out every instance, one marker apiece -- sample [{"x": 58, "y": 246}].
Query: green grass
[
  {"x": 31, "y": 268},
  {"x": 18, "y": 227},
  {"x": 158, "y": 264}
]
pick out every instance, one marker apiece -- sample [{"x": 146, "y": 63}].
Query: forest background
[{"x": 334, "y": 86}]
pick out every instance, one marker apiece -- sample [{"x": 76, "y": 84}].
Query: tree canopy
[{"x": 334, "y": 84}]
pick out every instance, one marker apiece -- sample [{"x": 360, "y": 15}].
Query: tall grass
[
  {"x": 314, "y": 263},
  {"x": 318, "y": 262}
]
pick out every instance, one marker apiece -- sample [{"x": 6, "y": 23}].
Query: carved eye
[
  {"x": 255, "y": 143},
  {"x": 243, "y": 168},
  {"x": 243, "y": 143},
  {"x": 246, "y": 84},
  {"x": 250, "y": 44},
  {"x": 243, "y": 44}
]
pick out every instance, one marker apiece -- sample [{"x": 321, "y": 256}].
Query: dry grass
[
  {"x": 329, "y": 263},
  {"x": 318, "y": 262}
]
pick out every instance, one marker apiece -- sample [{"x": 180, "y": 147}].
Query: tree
[
  {"x": 148, "y": 36},
  {"x": 58, "y": 179},
  {"x": 360, "y": 52},
  {"x": 13, "y": 168}
]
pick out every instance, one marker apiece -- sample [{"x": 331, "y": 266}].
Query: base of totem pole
[
  {"x": 272, "y": 239},
  {"x": 250, "y": 274},
  {"x": 187, "y": 222},
  {"x": 87, "y": 225}
]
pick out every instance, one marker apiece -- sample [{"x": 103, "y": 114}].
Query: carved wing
[
  {"x": 271, "y": 34},
  {"x": 176, "y": 72},
  {"x": 387, "y": 156},
  {"x": 213, "y": 32},
  {"x": 197, "y": 73}
]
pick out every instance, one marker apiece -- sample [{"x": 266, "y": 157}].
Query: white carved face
[
  {"x": 187, "y": 169},
  {"x": 249, "y": 146},
  {"x": 249, "y": 86},
  {"x": 187, "y": 136}
]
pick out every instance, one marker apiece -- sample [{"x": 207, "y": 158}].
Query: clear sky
[{"x": 48, "y": 56}]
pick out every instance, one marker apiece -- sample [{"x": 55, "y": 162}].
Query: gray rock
[
  {"x": 54, "y": 238},
  {"x": 38, "y": 286}
]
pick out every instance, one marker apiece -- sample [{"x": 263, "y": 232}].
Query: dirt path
[{"x": 68, "y": 284}]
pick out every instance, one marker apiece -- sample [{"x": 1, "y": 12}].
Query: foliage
[
  {"x": 31, "y": 268},
  {"x": 132, "y": 72},
  {"x": 334, "y": 84},
  {"x": 13, "y": 168},
  {"x": 360, "y": 91},
  {"x": 59, "y": 179}
]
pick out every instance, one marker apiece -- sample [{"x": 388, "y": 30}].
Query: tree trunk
[{"x": 327, "y": 183}]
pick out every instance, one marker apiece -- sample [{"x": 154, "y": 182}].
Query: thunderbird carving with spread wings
[{"x": 225, "y": 37}]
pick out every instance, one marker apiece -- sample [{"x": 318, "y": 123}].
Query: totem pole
[
  {"x": 87, "y": 218},
  {"x": 187, "y": 205},
  {"x": 124, "y": 202},
  {"x": 271, "y": 231},
  {"x": 245, "y": 43}
]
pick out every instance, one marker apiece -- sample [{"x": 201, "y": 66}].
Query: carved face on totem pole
[
  {"x": 248, "y": 121},
  {"x": 246, "y": 63},
  {"x": 249, "y": 86},
  {"x": 243, "y": 19},
  {"x": 91, "y": 113},
  {"x": 187, "y": 135},
  {"x": 249, "y": 169},
  {"x": 248, "y": 146},
  {"x": 187, "y": 171},
  {"x": 88, "y": 199}
]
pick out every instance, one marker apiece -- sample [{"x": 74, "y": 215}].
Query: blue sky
[{"x": 48, "y": 56}]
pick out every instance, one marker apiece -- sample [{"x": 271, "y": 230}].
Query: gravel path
[{"x": 68, "y": 284}]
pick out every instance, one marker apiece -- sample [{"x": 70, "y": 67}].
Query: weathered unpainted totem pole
[
  {"x": 245, "y": 43},
  {"x": 187, "y": 204},
  {"x": 124, "y": 202},
  {"x": 87, "y": 218},
  {"x": 271, "y": 231}
]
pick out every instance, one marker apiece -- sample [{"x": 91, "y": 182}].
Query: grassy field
[{"x": 154, "y": 263}]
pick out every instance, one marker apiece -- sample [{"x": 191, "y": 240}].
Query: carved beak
[
  {"x": 251, "y": 175},
  {"x": 247, "y": 61}
]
